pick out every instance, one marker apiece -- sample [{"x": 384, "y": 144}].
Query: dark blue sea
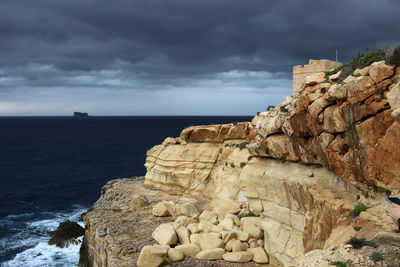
[{"x": 53, "y": 169}]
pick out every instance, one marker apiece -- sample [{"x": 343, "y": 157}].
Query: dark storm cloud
[{"x": 155, "y": 44}]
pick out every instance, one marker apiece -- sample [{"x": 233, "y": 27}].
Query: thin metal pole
[{"x": 336, "y": 55}]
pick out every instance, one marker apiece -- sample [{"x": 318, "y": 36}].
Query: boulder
[
  {"x": 242, "y": 236},
  {"x": 175, "y": 254},
  {"x": 205, "y": 226},
  {"x": 152, "y": 256},
  {"x": 234, "y": 218},
  {"x": 160, "y": 210},
  {"x": 362, "y": 72},
  {"x": 252, "y": 230},
  {"x": 165, "y": 234},
  {"x": 229, "y": 244},
  {"x": 227, "y": 235},
  {"x": 226, "y": 224},
  {"x": 207, "y": 215},
  {"x": 193, "y": 228},
  {"x": 183, "y": 234},
  {"x": 196, "y": 238},
  {"x": 183, "y": 206},
  {"x": 139, "y": 201},
  {"x": 211, "y": 254},
  {"x": 394, "y": 101},
  {"x": 224, "y": 206},
  {"x": 379, "y": 71},
  {"x": 66, "y": 233},
  {"x": 189, "y": 250},
  {"x": 182, "y": 220},
  {"x": 314, "y": 79},
  {"x": 238, "y": 246},
  {"x": 335, "y": 77},
  {"x": 210, "y": 241},
  {"x": 242, "y": 256},
  {"x": 259, "y": 255}
]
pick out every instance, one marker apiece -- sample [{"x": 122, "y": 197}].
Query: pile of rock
[{"x": 208, "y": 236}]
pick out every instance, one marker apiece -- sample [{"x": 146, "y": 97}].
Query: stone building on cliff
[{"x": 314, "y": 66}]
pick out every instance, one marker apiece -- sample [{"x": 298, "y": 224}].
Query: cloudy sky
[{"x": 173, "y": 57}]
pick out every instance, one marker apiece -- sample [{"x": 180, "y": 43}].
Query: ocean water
[{"x": 53, "y": 169}]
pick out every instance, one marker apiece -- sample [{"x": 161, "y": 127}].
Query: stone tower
[{"x": 314, "y": 66}]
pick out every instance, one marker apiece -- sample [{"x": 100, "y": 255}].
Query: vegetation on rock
[
  {"x": 357, "y": 210},
  {"x": 361, "y": 242},
  {"x": 391, "y": 56},
  {"x": 338, "y": 263},
  {"x": 376, "y": 256}
]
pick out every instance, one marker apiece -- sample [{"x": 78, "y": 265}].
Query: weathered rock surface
[
  {"x": 175, "y": 254},
  {"x": 118, "y": 234},
  {"x": 151, "y": 256},
  {"x": 66, "y": 233},
  {"x": 341, "y": 126},
  {"x": 211, "y": 254},
  {"x": 165, "y": 234},
  {"x": 301, "y": 167},
  {"x": 242, "y": 256}
]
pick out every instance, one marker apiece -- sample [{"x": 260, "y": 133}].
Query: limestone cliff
[{"x": 302, "y": 165}]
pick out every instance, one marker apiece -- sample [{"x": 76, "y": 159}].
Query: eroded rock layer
[
  {"x": 302, "y": 166},
  {"x": 347, "y": 127}
]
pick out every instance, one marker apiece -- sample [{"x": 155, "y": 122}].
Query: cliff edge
[{"x": 316, "y": 170}]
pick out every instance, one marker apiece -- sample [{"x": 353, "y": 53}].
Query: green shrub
[
  {"x": 357, "y": 210},
  {"x": 258, "y": 113},
  {"x": 284, "y": 109},
  {"x": 270, "y": 107},
  {"x": 357, "y": 228},
  {"x": 376, "y": 256},
  {"x": 361, "y": 242},
  {"x": 331, "y": 72},
  {"x": 226, "y": 163},
  {"x": 249, "y": 158},
  {"x": 361, "y": 61},
  {"x": 380, "y": 189},
  {"x": 338, "y": 263},
  {"x": 394, "y": 59},
  {"x": 243, "y": 145},
  {"x": 232, "y": 165},
  {"x": 242, "y": 164}
]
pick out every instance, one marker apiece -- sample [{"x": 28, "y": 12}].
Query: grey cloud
[{"x": 157, "y": 44}]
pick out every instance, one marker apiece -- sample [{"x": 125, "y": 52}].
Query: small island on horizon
[{"x": 80, "y": 114}]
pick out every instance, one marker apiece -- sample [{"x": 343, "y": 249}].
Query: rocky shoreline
[
  {"x": 117, "y": 230},
  {"x": 315, "y": 170}
]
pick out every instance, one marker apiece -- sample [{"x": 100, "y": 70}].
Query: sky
[{"x": 173, "y": 57}]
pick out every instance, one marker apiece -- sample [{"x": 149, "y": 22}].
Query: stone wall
[{"x": 314, "y": 66}]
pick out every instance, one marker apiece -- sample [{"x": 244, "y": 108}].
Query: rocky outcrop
[
  {"x": 346, "y": 127},
  {"x": 66, "y": 233},
  {"x": 314, "y": 169},
  {"x": 119, "y": 233},
  {"x": 302, "y": 166}
]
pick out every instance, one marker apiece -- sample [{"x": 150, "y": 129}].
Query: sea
[{"x": 53, "y": 168}]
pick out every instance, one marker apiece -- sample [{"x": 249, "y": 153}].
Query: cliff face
[
  {"x": 347, "y": 128},
  {"x": 302, "y": 165}
]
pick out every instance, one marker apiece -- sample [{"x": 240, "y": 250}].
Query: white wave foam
[
  {"x": 32, "y": 237},
  {"x": 45, "y": 255}
]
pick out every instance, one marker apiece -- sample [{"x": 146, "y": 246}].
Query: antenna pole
[{"x": 336, "y": 55}]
